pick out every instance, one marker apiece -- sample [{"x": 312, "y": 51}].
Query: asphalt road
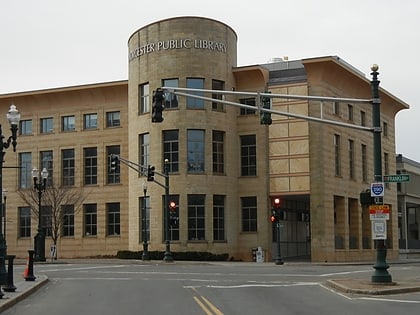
[{"x": 128, "y": 287}]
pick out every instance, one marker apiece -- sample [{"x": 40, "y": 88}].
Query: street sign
[
  {"x": 377, "y": 189},
  {"x": 379, "y": 212},
  {"x": 379, "y": 230},
  {"x": 399, "y": 178}
]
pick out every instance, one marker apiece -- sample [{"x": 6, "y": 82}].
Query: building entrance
[{"x": 295, "y": 231}]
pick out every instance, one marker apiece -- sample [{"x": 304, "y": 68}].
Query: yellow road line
[{"x": 208, "y": 307}]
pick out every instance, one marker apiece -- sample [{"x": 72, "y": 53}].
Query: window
[
  {"x": 249, "y": 214},
  {"x": 47, "y": 125},
  {"x": 113, "y": 217},
  {"x": 386, "y": 167},
  {"x": 336, "y": 108},
  {"x": 90, "y": 219},
  {"x": 67, "y": 157},
  {"x": 46, "y": 220},
  {"x": 248, "y": 155},
  {"x": 364, "y": 163},
  {"x": 195, "y": 150},
  {"x": 385, "y": 129},
  {"x": 90, "y": 121},
  {"x": 218, "y": 218},
  {"x": 113, "y": 119},
  {"x": 91, "y": 166},
  {"x": 337, "y": 155},
  {"x": 144, "y": 218},
  {"x": 171, "y": 149},
  {"x": 144, "y": 98},
  {"x": 195, "y": 103},
  {"x": 196, "y": 217},
  {"x": 68, "y": 220},
  {"x": 362, "y": 118},
  {"x": 25, "y": 170},
  {"x": 24, "y": 222},
  {"x": 25, "y": 127},
  {"x": 218, "y": 152},
  {"x": 250, "y": 102},
  {"x": 47, "y": 162},
  {"x": 67, "y": 123},
  {"x": 217, "y": 85},
  {"x": 350, "y": 112},
  {"x": 174, "y": 219},
  {"x": 144, "y": 142},
  {"x": 113, "y": 176},
  {"x": 351, "y": 159},
  {"x": 171, "y": 100}
]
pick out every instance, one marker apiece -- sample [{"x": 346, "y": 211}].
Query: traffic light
[
  {"x": 115, "y": 161},
  {"x": 266, "y": 117},
  {"x": 150, "y": 173},
  {"x": 273, "y": 217},
  {"x": 172, "y": 213},
  {"x": 275, "y": 211},
  {"x": 158, "y": 105}
]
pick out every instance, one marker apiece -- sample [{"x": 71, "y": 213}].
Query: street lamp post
[
  {"x": 3, "y": 209},
  {"x": 39, "y": 186},
  {"x": 145, "y": 255},
  {"x": 381, "y": 274},
  {"x": 13, "y": 116}
]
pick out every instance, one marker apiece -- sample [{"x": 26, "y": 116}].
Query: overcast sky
[{"x": 55, "y": 43}]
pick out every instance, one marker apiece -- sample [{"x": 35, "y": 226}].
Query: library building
[{"x": 219, "y": 166}]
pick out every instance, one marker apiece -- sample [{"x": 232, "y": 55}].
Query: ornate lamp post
[
  {"x": 3, "y": 209},
  {"x": 13, "y": 116},
  {"x": 381, "y": 274},
  {"x": 39, "y": 186},
  {"x": 145, "y": 255}
]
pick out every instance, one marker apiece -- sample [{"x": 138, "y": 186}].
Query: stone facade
[{"x": 221, "y": 207}]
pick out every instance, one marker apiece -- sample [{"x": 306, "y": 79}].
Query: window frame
[
  {"x": 25, "y": 222},
  {"x": 144, "y": 98},
  {"x": 170, "y": 146},
  {"x": 196, "y": 154},
  {"x": 113, "y": 215},
  {"x": 195, "y": 83},
  {"x": 90, "y": 121},
  {"x": 25, "y": 127},
  {"x": 90, "y": 214},
  {"x": 68, "y": 167},
  {"x": 113, "y": 119},
  {"x": 249, "y": 214},
  {"x": 46, "y": 125},
  {"x": 90, "y": 166},
  {"x": 68, "y": 123},
  {"x": 248, "y": 152}
]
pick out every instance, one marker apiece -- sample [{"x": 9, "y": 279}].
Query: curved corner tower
[{"x": 192, "y": 52}]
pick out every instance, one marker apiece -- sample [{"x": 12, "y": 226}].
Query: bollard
[
  {"x": 29, "y": 273},
  {"x": 10, "y": 286}
]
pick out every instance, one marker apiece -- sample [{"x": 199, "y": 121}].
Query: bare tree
[{"x": 56, "y": 200}]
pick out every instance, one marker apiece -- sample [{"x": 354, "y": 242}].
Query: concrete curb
[
  {"x": 24, "y": 289},
  {"x": 367, "y": 288}
]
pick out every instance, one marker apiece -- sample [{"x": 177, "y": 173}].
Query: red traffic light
[
  {"x": 172, "y": 205},
  {"x": 276, "y": 201}
]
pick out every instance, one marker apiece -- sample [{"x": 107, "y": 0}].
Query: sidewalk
[
  {"x": 23, "y": 289},
  {"x": 366, "y": 287}
]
